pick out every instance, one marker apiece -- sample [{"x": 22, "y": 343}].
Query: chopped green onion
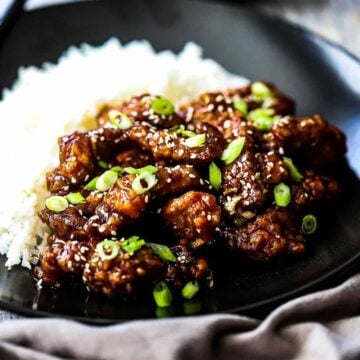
[
  {"x": 282, "y": 195},
  {"x": 146, "y": 169},
  {"x": 91, "y": 185},
  {"x": 241, "y": 105},
  {"x": 309, "y": 224},
  {"x": 180, "y": 129},
  {"x": 233, "y": 150},
  {"x": 162, "y": 251},
  {"x": 107, "y": 249},
  {"x": 162, "y": 106},
  {"x": 120, "y": 120},
  {"x": 132, "y": 244},
  {"x": 162, "y": 294},
  {"x": 118, "y": 169},
  {"x": 294, "y": 172},
  {"x": 262, "y": 119},
  {"x": 239, "y": 222},
  {"x": 103, "y": 164},
  {"x": 56, "y": 203},
  {"x": 192, "y": 307},
  {"x": 106, "y": 180},
  {"x": 261, "y": 90},
  {"x": 190, "y": 289},
  {"x": 75, "y": 198},
  {"x": 196, "y": 141},
  {"x": 148, "y": 178},
  {"x": 215, "y": 176}
]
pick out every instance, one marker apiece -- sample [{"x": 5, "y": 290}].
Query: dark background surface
[{"x": 319, "y": 76}]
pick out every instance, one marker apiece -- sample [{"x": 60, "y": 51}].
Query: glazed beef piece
[
  {"x": 122, "y": 274},
  {"x": 62, "y": 259},
  {"x": 139, "y": 110},
  {"x": 271, "y": 234},
  {"x": 187, "y": 267},
  {"x": 310, "y": 140},
  {"x": 315, "y": 190},
  {"x": 68, "y": 224},
  {"x": 76, "y": 163},
  {"x": 193, "y": 217},
  {"x": 135, "y": 158},
  {"x": 169, "y": 145},
  {"x": 272, "y": 168}
]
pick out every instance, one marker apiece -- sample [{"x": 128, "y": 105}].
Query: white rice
[{"x": 53, "y": 100}]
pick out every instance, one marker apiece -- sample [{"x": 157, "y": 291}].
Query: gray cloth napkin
[{"x": 324, "y": 325}]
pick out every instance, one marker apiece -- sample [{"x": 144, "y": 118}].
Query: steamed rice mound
[{"x": 48, "y": 102}]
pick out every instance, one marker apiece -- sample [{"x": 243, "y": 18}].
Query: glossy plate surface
[{"x": 320, "y": 76}]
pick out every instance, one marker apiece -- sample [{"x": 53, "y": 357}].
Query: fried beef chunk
[
  {"x": 310, "y": 140},
  {"x": 193, "y": 217},
  {"x": 188, "y": 266},
  {"x": 123, "y": 273},
  {"x": 275, "y": 232},
  {"x": 139, "y": 110},
  {"x": 167, "y": 144},
  {"x": 62, "y": 259}
]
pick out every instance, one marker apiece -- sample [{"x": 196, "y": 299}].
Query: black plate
[{"x": 319, "y": 75}]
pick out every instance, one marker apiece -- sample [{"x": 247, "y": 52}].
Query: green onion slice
[
  {"x": 262, "y": 119},
  {"x": 233, "y": 150},
  {"x": 309, "y": 224},
  {"x": 190, "y": 289},
  {"x": 103, "y": 164},
  {"x": 261, "y": 90},
  {"x": 196, "y": 141},
  {"x": 144, "y": 182},
  {"x": 118, "y": 169},
  {"x": 215, "y": 176},
  {"x": 132, "y": 244},
  {"x": 120, "y": 120},
  {"x": 241, "y": 105},
  {"x": 282, "y": 195},
  {"x": 75, "y": 198},
  {"x": 180, "y": 129},
  {"x": 294, "y": 172},
  {"x": 56, "y": 203},
  {"x": 162, "y": 251},
  {"x": 106, "y": 180},
  {"x": 162, "y": 294},
  {"x": 146, "y": 169},
  {"x": 91, "y": 185},
  {"x": 107, "y": 249},
  {"x": 162, "y": 106}
]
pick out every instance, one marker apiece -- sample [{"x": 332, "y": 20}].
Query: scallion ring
[
  {"x": 162, "y": 106},
  {"x": 180, "y": 129},
  {"x": 103, "y": 164},
  {"x": 196, "y": 141},
  {"x": 57, "y": 203},
  {"x": 162, "y": 251},
  {"x": 215, "y": 176},
  {"x": 117, "y": 168},
  {"x": 120, "y": 120},
  {"x": 75, "y": 198},
  {"x": 162, "y": 294},
  {"x": 106, "y": 180},
  {"x": 282, "y": 195},
  {"x": 190, "y": 289},
  {"x": 241, "y": 105},
  {"x": 261, "y": 90},
  {"x": 91, "y": 185},
  {"x": 233, "y": 150},
  {"x": 294, "y": 172},
  {"x": 309, "y": 224},
  {"x": 262, "y": 119},
  {"x": 144, "y": 182},
  {"x": 132, "y": 244},
  {"x": 107, "y": 249}
]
